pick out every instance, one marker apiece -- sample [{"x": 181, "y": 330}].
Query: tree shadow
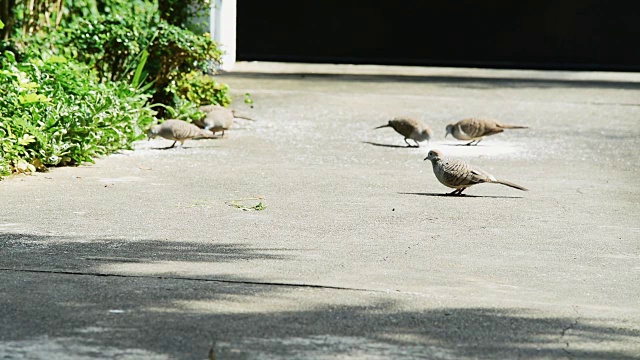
[
  {"x": 66, "y": 314},
  {"x": 461, "y": 195},
  {"x": 52, "y": 252},
  {"x": 181, "y": 319}
]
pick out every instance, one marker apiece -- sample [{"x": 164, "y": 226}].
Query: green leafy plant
[
  {"x": 200, "y": 89},
  {"x": 56, "y": 112},
  {"x": 111, "y": 43},
  {"x": 181, "y": 109},
  {"x": 184, "y": 13},
  {"x": 82, "y": 78},
  {"x": 176, "y": 52}
]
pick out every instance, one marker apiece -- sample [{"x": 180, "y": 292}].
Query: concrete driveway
[{"x": 156, "y": 254}]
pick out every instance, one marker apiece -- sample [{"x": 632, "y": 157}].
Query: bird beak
[
  {"x": 447, "y": 134},
  {"x": 427, "y": 158}
]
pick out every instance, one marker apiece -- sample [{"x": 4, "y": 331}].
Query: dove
[
  {"x": 410, "y": 128},
  {"x": 459, "y": 175},
  {"x": 217, "y": 118},
  {"x": 475, "y": 129},
  {"x": 178, "y": 130}
]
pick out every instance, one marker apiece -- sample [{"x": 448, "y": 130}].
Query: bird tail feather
[
  {"x": 507, "y": 126},
  {"x": 207, "y": 134},
  {"x": 510, "y": 184},
  {"x": 238, "y": 116}
]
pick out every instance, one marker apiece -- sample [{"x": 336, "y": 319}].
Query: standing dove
[
  {"x": 410, "y": 128},
  {"x": 474, "y": 129},
  {"x": 460, "y": 175},
  {"x": 177, "y": 130},
  {"x": 217, "y": 118}
]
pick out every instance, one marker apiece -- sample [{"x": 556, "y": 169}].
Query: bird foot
[{"x": 457, "y": 192}]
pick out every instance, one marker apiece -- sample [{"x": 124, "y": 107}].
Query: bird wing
[
  {"x": 460, "y": 173},
  {"x": 476, "y": 128},
  {"x": 481, "y": 175},
  {"x": 219, "y": 120},
  {"x": 184, "y": 130},
  {"x": 405, "y": 126}
]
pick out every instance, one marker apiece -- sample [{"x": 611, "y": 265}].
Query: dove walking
[{"x": 459, "y": 175}]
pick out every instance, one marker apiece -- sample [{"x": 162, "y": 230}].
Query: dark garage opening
[{"x": 585, "y": 35}]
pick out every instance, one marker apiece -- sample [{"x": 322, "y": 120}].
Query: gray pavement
[{"x": 357, "y": 255}]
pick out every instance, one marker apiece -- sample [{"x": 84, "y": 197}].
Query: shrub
[
  {"x": 200, "y": 89},
  {"x": 112, "y": 44},
  {"x": 110, "y": 36},
  {"x": 56, "y": 112},
  {"x": 109, "y": 43},
  {"x": 175, "y": 52}
]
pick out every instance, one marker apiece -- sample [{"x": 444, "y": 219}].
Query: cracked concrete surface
[{"x": 140, "y": 255}]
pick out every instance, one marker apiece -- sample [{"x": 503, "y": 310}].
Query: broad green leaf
[
  {"x": 56, "y": 59},
  {"x": 33, "y": 98},
  {"x": 10, "y": 56},
  {"x": 30, "y": 85},
  {"x": 26, "y": 140}
]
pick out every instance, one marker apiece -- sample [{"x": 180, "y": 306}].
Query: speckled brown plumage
[
  {"x": 475, "y": 129},
  {"x": 459, "y": 175}
]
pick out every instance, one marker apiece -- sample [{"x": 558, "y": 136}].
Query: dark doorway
[{"x": 538, "y": 34}]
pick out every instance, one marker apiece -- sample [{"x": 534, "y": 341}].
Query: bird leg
[
  {"x": 169, "y": 147},
  {"x": 409, "y": 145},
  {"x": 417, "y": 143},
  {"x": 457, "y": 192}
]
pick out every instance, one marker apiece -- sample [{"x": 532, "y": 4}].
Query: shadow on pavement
[
  {"x": 389, "y": 145},
  {"x": 69, "y": 315},
  {"x": 455, "y": 81},
  {"x": 52, "y": 252},
  {"x": 181, "y": 319},
  {"x": 461, "y": 144},
  {"x": 461, "y": 196}
]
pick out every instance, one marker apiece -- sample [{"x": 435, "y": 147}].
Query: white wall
[{"x": 223, "y": 30}]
